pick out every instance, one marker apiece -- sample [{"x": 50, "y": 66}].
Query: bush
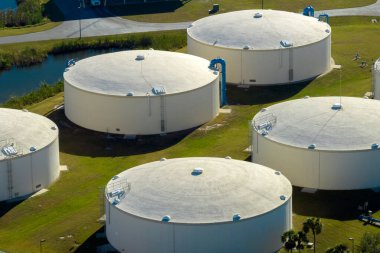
[
  {"x": 29, "y": 12},
  {"x": 370, "y": 243},
  {"x": 43, "y": 92}
]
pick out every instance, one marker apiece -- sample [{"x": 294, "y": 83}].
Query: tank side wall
[
  {"x": 131, "y": 234},
  {"x": 312, "y": 60},
  {"x": 141, "y": 115},
  {"x": 232, "y": 57},
  {"x": 300, "y": 166},
  {"x": 326, "y": 170},
  {"x": 190, "y": 109},
  {"x": 3, "y": 180},
  {"x": 31, "y": 172},
  {"x": 265, "y": 67},
  {"x": 22, "y": 179},
  {"x": 350, "y": 170},
  {"x": 376, "y": 82},
  {"x": 109, "y": 113},
  {"x": 269, "y": 66},
  {"x": 46, "y": 166},
  {"x": 240, "y": 237}
]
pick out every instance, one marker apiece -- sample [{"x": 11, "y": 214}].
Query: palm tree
[
  {"x": 289, "y": 240},
  {"x": 315, "y": 226},
  {"x": 340, "y": 248},
  {"x": 301, "y": 238}
]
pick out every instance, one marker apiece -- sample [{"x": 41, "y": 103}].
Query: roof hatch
[
  {"x": 159, "y": 90},
  {"x": 286, "y": 43}
]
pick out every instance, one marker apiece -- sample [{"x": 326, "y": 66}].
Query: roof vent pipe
[
  {"x": 223, "y": 89},
  {"x": 166, "y": 218},
  {"x": 320, "y": 18},
  {"x": 197, "y": 171},
  {"x": 337, "y": 106},
  {"x": 308, "y": 11},
  {"x": 140, "y": 57},
  {"x": 236, "y": 217}
]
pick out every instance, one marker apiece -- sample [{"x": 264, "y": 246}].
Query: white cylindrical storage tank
[
  {"x": 376, "y": 80},
  {"x": 141, "y": 92},
  {"x": 319, "y": 143},
  {"x": 29, "y": 153},
  {"x": 198, "y": 205},
  {"x": 263, "y": 47}
]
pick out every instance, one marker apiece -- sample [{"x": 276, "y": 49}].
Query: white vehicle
[{"x": 95, "y": 2}]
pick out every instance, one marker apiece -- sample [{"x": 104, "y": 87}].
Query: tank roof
[
  {"x": 377, "y": 65},
  {"x": 139, "y": 72},
  {"x": 308, "y": 121},
  {"x": 201, "y": 190},
  {"x": 240, "y": 29},
  {"x": 24, "y": 131}
]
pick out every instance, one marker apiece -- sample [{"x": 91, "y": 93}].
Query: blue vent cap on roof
[
  {"x": 166, "y": 218},
  {"x": 236, "y": 217}
]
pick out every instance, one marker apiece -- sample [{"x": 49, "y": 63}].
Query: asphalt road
[
  {"x": 98, "y": 22},
  {"x": 93, "y": 22}
]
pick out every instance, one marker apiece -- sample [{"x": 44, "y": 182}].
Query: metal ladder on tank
[
  {"x": 10, "y": 178},
  {"x": 163, "y": 123},
  {"x": 291, "y": 71}
]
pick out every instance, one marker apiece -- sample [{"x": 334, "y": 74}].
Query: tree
[
  {"x": 340, "y": 248},
  {"x": 301, "y": 238},
  {"x": 315, "y": 226},
  {"x": 370, "y": 243},
  {"x": 289, "y": 240}
]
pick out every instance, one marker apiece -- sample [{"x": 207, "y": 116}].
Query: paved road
[
  {"x": 370, "y": 10},
  {"x": 91, "y": 25},
  {"x": 97, "y": 22}
]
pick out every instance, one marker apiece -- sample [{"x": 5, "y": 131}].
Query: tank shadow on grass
[
  {"x": 338, "y": 205},
  {"x": 6, "y": 206},
  {"x": 95, "y": 242},
  {"x": 256, "y": 95},
  {"x": 97, "y": 144}
]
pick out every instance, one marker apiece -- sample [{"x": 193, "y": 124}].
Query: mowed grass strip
[
  {"x": 176, "y": 11},
  {"x": 72, "y": 205}
]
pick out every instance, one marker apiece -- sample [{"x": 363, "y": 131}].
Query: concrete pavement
[{"x": 370, "y": 10}]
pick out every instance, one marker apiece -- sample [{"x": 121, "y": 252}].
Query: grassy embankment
[
  {"x": 176, "y": 11},
  {"x": 25, "y": 54},
  {"x": 72, "y": 205}
]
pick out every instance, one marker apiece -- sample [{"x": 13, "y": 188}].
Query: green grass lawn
[
  {"x": 28, "y": 29},
  {"x": 176, "y": 11},
  {"x": 72, "y": 206},
  {"x": 53, "y": 18}
]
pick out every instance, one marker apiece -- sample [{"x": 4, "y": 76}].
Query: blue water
[
  {"x": 7, "y": 4},
  {"x": 18, "y": 81}
]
